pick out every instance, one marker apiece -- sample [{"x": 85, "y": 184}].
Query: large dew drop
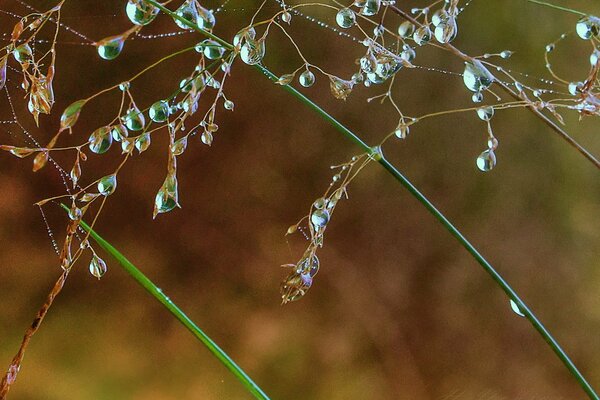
[
  {"x": 476, "y": 76},
  {"x": 23, "y": 53},
  {"x": 188, "y": 12},
  {"x": 588, "y": 27},
  {"x": 100, "y": 140},
  {"x": 167, "y": 197},
  {"x": 111, "y": 47},
  {"x": 486, "y": 160},
  {"x": 319, "y": 218},
  {"x": 107, "y": 185},
  {"x": 345, "y": 18},
  {"x": 371, "y": 7},
  {"x": 97, "y": 267},
  {"x": 159, "y": 111},
  {"x": 134, "y": 119},
  {"x": 140, "y": 12},
  {"x": 515, "y": 307},
  {"x": 253, "y": 51}
]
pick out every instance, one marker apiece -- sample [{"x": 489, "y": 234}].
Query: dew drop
[
  {"x": 486, "y": 160},
  {"x": 111, "y": 47},
  {"x": 142, "y": 142},
  {"x": 188, "y": 12},
  {"x": 134, "y": 119},
  {"x": 371, "y": 7},
  {"x": 139, "y": 12},
  {"x": 159, "y": 111},
  {"x": 515, "y": 307},
  {"x": 588, "y": 27},
  {"x": 107, "y": 185},
  {"x": 253, "y": 51},
  {"x": 406, "y": 29},
  {"x": 206, "y": 18},
  {"x": 179, "y": 146},
  {"x": 23, "y": 53},
  {"x": 476, "y": 76},
  {"x": 307, "y": 78},
  {"x": 228, "y": 105},
  {"x": 167, "y": 197},
  {"x": 485, "y": 113},
  {"x": 97, "y": 267},
  {"x": 100, "y": 140},
  {"x": 345, "y": 18},
  {"x": 319, "y": 218}
]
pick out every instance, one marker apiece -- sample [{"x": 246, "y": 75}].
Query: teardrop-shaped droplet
[
  {"x": 142, "y": 142},
  {"x": 228, "y": 105},
  {"x": 588, "y": 27},
  {"x": 402, "y": 131},
  {"x": 167, "y": 197},
  {"x": 140, "y": 12},
  {"x": 134, "y": 119},
  {"x": 319, "y": 218},
  {"x": 159, "y": 111},
  {"x": 107, "y": 185},
  {"x": 212, "y": 50},
  {"x": 206, "y": 18},
  {"x": 111, "y": 47},
  {"x": 119, "y": 132},
  {"x": 485, "y": 113},
  {"x": 71, "y": 114},
  {"x": 515, "y": 307},
  {"x": 476, "y": 76},
  {"x": 188, "y": 12},
  {"x": 253, "y": 51},
  {"x": 406, "y": 29},
  {"x": 97, "y": 267},
  {"x": 307, "y": 78},
  {"x": 371, "y": 7},
  {"x": 345, "y": 18},
  {"x": 446, "y": 31},
  {"x": 486, "y": 160},
  {"x": 340, "y": 89},
  {"x": 439, "y": 16},
  {"x": 100, "y": 140},
  {"x": 422, "y": 35},
  {"x": 23, "y": 53},
  {"x": 179, "y": 146}
]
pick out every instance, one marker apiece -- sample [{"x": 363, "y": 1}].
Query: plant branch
[
  {"x": 376, "y": 153},
  {"x": 546, "y": 4}
]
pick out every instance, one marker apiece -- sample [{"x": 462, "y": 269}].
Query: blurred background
[{"x": 399, "y": 310}]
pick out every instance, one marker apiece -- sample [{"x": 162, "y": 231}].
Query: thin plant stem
[
  {"x": 375, "y": 152},
  {"x": 158, "y": 294},
  {"x": 546, "y": 4}
]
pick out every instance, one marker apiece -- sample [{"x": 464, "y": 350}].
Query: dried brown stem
[{"x": 15, "y": 365}]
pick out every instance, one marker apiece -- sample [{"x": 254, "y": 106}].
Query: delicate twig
[{"x": 15, "y": 365}]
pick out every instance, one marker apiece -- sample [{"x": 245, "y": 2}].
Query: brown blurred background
[{"x": 399, "y": 310}]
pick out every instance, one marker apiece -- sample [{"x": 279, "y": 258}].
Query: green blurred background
[{"x": 399, "y": 309}]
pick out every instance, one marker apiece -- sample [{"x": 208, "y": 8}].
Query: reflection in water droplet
[
  {"x": 100, "y": 140},
  {"x": 345, "y": 18},
  {"x": 111, "y": 47},
  {"x": 107, "y": 185},
  {"x": 486, "y": 160},
  {"x": 97, "y": 267},
  {"x": 140, "y": 13}
]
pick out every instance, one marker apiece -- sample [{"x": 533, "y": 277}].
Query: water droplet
[
  {"x": 23, "y": 53},
  {"x": 179, "y": 146},
  {"x": 211, "y": 49},
  {"x": 477, "y": 97},
  {"x": 345, "y": 18},
  {"x": 140, "y": 12},
  {"x": 307, "y": 78},
  {"x": 486, "y": 160},
  {"x": 167, "y": 197},
  {"x": 476, "y": 76},
  {"x": 340, "y": 88},
  {"x": 100, "y": 140},
  {"x": 206, "y": 18},
  {"x": 207, "y": 138},
  {"x": 371, "y": 7},
  {"x": 514, "y": 306},
  {"x": 124, "y": 86},
  {"x": 188, "y": 12},
  {"x": 406, "y": 29},
  {"x": 253, "y": 51},
  {"x": 575, "y": 88},
  {"x": 446, "y": 31},
  {"x": 422, "y": 35},
  {"x": 550, "y": 48},
  {"x": 97, "y": 267},
  {"x": 71, "y": 114},
  {"x": 107, "y": 185},
  {"x": 402, "y": 131},
  {"x": 111, "y": 47},
  {"x": 228, "y": 105},
  {"x": 134, "y": 119},
  {"x": 159, "y": 111},
  {"x": 485, "y": 113},
  {"x": 506, "y": 54},
  {"x": 319, "y": 204},
  {"x": 594, "y": 57},
  {"x": 286, "y": 17},
  {"x": 588, "y": 27},
  {"x": 142, "y": 142},
  {"x": 439, "y": 16},
  {"x": 319, "y": 218}
]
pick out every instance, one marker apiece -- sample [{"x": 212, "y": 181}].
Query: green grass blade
[{"x": 158, "y": 294}]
